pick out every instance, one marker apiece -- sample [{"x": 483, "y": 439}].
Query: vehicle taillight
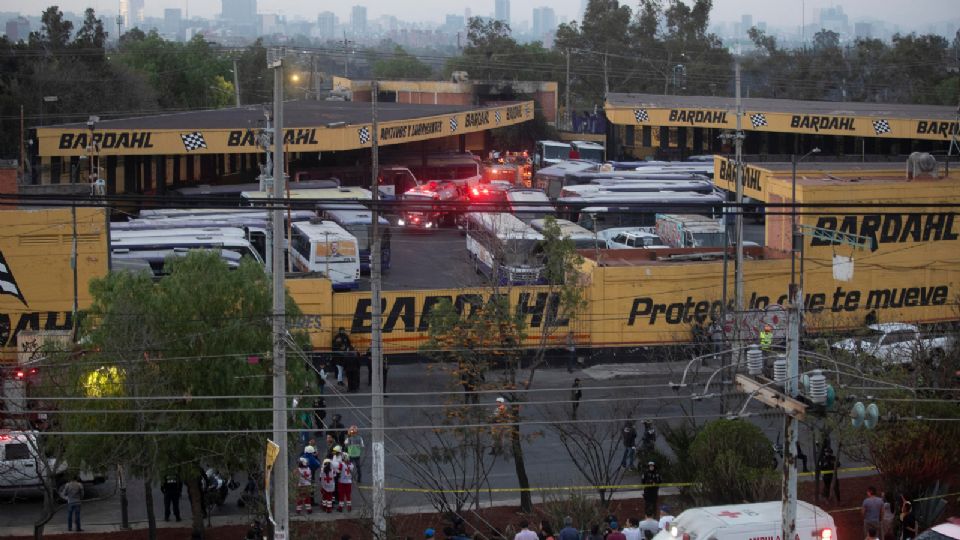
[
  {"x": 475, "y": 191},
  {"x": 20, "y": 374}
]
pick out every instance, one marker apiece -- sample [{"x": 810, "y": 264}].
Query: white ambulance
[{"x": 759, "y": 521}]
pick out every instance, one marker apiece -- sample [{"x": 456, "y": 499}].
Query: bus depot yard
[{"x": 744, "y": 309}]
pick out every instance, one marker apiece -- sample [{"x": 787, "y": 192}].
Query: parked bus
[
  {"x": 358, "y": 221},
  {"x": 582, "y": 238},
  {"x": 549, "y": 153},
  {"x": 607, "y": 210},
  {"x": 325, "y": 247},
  {"x": 504, "y": 248},
  {"x": 301, "y": 198},
  {"x": 529, "y": 204},
  {"x": 228, "y": 191},
  {"x": 154, "y": 247},
  {"x": 589, "y": 190},
  {"x": 552, "y": 179}
]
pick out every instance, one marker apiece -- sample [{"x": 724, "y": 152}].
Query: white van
[
  {"x": 758, "y": 521},
  {"x": 21, "y": 465}
]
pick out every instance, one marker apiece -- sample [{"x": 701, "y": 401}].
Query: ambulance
[{"x": 758, "y": 521}]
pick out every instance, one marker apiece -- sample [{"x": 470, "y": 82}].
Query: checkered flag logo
[
  {"x": 496, "y": 116},
  {"x": 364, "y": 134},
  {"x": 193, "y": 141},
  {"x": 641, "y": 115},
  {"x": 453, "y": 124},
  {"x": 758, "y": 120},
  {"x": 8, "y": 284},
  {"x": 881, "y": 127}
]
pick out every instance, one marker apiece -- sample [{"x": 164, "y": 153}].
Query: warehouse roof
[
  {"x": 295, "y": 114},
  {"x": 791, "y": 106}
]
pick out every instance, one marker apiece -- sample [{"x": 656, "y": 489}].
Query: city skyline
[{"x": 918, "y": 15}]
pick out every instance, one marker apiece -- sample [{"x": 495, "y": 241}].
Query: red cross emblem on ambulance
[{"x": 729, "y": 514}]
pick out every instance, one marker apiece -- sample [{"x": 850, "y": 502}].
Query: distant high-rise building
[
  {"x": 863, "y": 30},
  {"x": 453, "y": 23},
  {"x": 173, "y": 22},
  {"x": 132, "y": 12},
  {"x": 834, "y": 19},
  {"x": 239, "y": 12},
  {"x": 501, "y": 11},
  {"x": 544, "y": 21},
  {"x": 18, "y": 29},
  {"x": 326, "y": 25},
  {"x": 746, "y": 23},
  {"x": 358, "y": 20}
]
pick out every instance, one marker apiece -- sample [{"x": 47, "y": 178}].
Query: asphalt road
[
  {"x": 438, "y": 259},
  {"x": 416, "y": 390}
]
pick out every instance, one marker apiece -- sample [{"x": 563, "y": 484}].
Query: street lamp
[{"x": 795, "y": 233}]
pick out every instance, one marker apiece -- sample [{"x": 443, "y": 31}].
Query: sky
[{"x": 908, "y": 14}]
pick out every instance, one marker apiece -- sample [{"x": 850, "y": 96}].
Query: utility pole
[
  {"x": 606, "y": 79},
  {"x": 788, "y": 488},
  {"x": 281, "y": 510},
  {"x": 236, "y": 82},
  {"x": 738, "y": 235},
  {"x": 346, "y": 56},
  {"x": 376, "y": 343},
  {"x": 566, "y": 97}
]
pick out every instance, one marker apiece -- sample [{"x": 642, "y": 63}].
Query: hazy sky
[{"x": 907, "y": 13}]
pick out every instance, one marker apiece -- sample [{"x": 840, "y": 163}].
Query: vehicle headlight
[
  {"x": 401, "y": 222},
  {"x": 674, "y": 531}
]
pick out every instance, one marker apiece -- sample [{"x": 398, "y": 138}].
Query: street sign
[{"x": 273, "y": 450}]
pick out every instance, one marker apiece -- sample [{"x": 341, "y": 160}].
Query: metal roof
[
  {"x": 295, "y": 114},
  {"x": 790, "y": 106}
]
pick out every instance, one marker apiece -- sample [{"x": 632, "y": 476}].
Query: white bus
[
  {"x": 327, "y": 248},
  {"x": 259, "y": 198},
  {"x": 636, "y": 209},
  {"x": 505, "y": 248},
  {"x": 582, "y": 238},
  {"x": 129, "y": 248},
  {"x": 529, "y": 204},
  {"x": 358, "y": 221},
  {"x": 589, "y": 151}
]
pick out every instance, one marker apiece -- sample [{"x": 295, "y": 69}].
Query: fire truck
[{"x": 430, "y": 205}]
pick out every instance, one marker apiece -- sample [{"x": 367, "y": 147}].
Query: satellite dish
[
  {"x": 856, "y": 414},
  {"x": 872, "y": 416}
]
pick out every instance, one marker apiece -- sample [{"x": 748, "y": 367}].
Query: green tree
[
  {"x": 55, "y": 31},
  {"x": 91, "y": 34},
  {"x": 732, "y": 461},
  {"x": 401, "y": 65},
  {"x": 157, "y": 351},
  {"x": 256, "y": 80}
]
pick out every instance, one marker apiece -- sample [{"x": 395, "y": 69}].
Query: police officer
[
  {"x": 651, "y": 479},
  {"x": 171, "y": 489}
]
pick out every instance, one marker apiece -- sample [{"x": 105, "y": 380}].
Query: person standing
[
  {"x": 886, "y": 524},
  {"x": 171, "y": 488},
  {"x": 632, "y": 531},
  {"x": 871, "y": 510},
  {"x": 826, "y": 465},
  {"x": 766, "y": 338},
  {"x": 341, "y": 347},
  {"x": 328, "y": 483},
  {"x": 304, "y": 486},
  {"x": 666, "y": 518},
  {"x": 575, "y": 394},
  {"x": 615, "y": 533},
  {"x": 568, "y": 532},
  {"x": 651, "y": 480},
  {"x": 908, "y": 521},
  {"x": 337, "y": 429},
  {"x": 355, "y": 447},
  {"x": 629, "y": 436},
  {"x": 72, "y": 492},
  {"x": 571, "y": 347},
  {"x": 650, "y": 526},
  {"x": 525, "y": 532},
  {"x": 345, "y": 484},
  {"x": 319, "y": 415}
]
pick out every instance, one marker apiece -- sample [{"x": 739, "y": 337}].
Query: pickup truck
[{"x": 896, "y": 344}]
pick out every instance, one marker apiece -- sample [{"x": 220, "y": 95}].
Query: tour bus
[
  {"x": 549, "y": 153},
  {"x": 643, "y": 175},
  {"x": 605, "y": 211},
  {"x": 552, "y": 179},
  {"x": 325, "y": 247},
  {"x": 504, "y": 248},
  {"x": 582, "y": 238},
  {"x": 358, "y": 221},
  {"x": 461, "y": 168},
  {"x": 589, "y": 151},
  {"x": 154, "y": 247},
  {"x": 226, "y": 191},
  {"x": 529, "y": 204}
]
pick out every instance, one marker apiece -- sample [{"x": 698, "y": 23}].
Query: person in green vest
[
  {"x": 766, "y": 338},
  {"x": 354, "y": 444}
]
